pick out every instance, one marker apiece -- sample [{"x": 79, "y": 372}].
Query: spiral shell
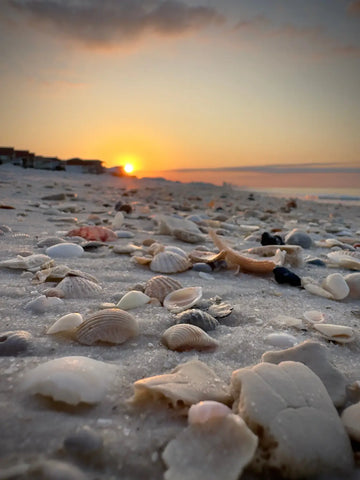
[
  {"x": 111, "y": 325},
  {"x": 199, "y": 318},
  {"x": 160, "y": 286},
  {"x": 187, "y": 337},
  {"x": 182, "y": 299},
  {"x": 74, "y": 286},
  {"x": 169, "y": 262}
]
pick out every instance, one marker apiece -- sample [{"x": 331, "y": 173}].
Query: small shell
[
  {"x": 345, "y": 259},
  {"x": 169, "y": 262},
  {"x": 353, "y": 282},
  {"x": 111, "y": 325},
  {"x": 311, "y": 286},
  {"x": 14, "y": 342},
  {"x": 220, "y": 310},
  {"x": 65, "y": 250},
  {"x": 188, "y": 237},
  {"x": 199, "y": 318},
  {"x": 94, "y": 233},
  {"x": 203, "y": 256},
  {"x": 314, "y": 316},
  {"x": 73, "y": 286},
  {"x": 187, "y": 337},
  {"x": 336, "y": 285},
  {"x": 336, "y": 333},
  {"x": 160, "y": 286},
  {"x": 182, "y": 299},
  {"x": 133, "y": 299},
  {"x": 203, "y": 411},
  {"x": 66, "y": 323}
]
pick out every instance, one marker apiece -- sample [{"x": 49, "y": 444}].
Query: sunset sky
[{"x": 183, "y": 84}]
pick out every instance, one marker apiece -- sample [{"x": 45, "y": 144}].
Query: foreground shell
[
  {"x": 345, "y": 259},
  {"x": 160, "y": 286},
  {"x": 70, "y": 379},
  {"x": 336, "y": 333},
  {"x": 111, "y": 325},
  {"x": 73, "y": 286},
  {"x": 199, "y": 318},
  {"x": 182, "y": 299},
  {"x": 184, "y": 336},
  {"x": 169, "y": 262}
]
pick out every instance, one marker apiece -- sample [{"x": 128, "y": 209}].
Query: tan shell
[
  {"x": 160, "y": 286},
  {"x": 345, "y": 259},
  {"x": 78, "y": 287},
  {"x": 111, "y": 325},
  {"x": 185, "y": 336},
  {"x": 182, "y": 299},
  {"x": 336, "y": 333},
  {"x": 169, "y": 262}
]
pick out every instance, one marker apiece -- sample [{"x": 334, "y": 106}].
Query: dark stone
[
  {"x": 316, "y": 261},
  {"x": 268, "y": 239},
  {"x": 14, "y": 342},
  {"x": 283, "y": 275}
]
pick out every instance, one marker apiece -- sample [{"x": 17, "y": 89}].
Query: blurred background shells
[
  {"x": 197, "y": 317},
  {"x": 182, "y": 299},
  {"x": 73, "y": 286},
  {"x": 160, "y": 286},
  {"x": 184, "y": 336},
  {"x": 111, "y": 325}
]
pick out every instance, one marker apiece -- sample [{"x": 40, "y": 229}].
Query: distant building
[
  {"x": 7, "y": 155},
  {"x": 77, "y": 165},
  {"x": 48, "y": 163}
]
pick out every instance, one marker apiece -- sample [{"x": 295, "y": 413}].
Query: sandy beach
[{"x": 124, "y": 439}]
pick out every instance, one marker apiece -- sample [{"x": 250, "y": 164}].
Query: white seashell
[
  {"x": 160, "y": 286},
  {"x": 65, "y": 250},
  {"x": 43, "y": 304},
  {"x": 336, "y": 333},
  {"x": 336, "y": 285},
  {"x": 133, "y": 299},
  {"x": 73, "y": 286},
  {"x": 118, "y": 220},
  {"x": 353, "y": 282},
  {"x": 65, "y": 323},
  {"x": 33, "y": 263},
  {"x": 281, "y": 340},
  {"x": 185, "y": 336},
  {"x": 203, "y": 411},
  {"x": 70, "y": 379},
  {"x": 314, "y": 316},
  {"x": 169, "y": 262},
  {"x": 111, "y": 325},
  {"x": 311, "y": 286},
  {"x": 345, "y": 259},
  {"x": 182, "y": 299}
]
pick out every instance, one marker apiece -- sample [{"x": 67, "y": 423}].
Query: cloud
[
  {"x": 108, "y": 23},
  {"x": 354, "y": 8},
  {"x": 285, "y": 168}
]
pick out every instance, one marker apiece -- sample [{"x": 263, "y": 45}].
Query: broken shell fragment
[
  {"x": 199, "y": 318},
  {"x": 345, "y": 259},
  {"x": 32, "y": 263},
  {"x": 160, "y": 286},
  {"x": 184, "y": 336},
  {"x": 133, "y": 299},
  {"x": 182, "y": 299},
  {"x": 66, "y": 323},
  {"x": 336, "y": 333},
  {"x": 70, "y": 379},
  {"x": 111, "y": 325}
]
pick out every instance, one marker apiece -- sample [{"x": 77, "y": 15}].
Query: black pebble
[
  {"x": 268, "y": 239},
  {"x": 283, "y": 275}
]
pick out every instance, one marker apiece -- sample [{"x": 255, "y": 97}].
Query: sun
[{"x": 128, "y": 167}]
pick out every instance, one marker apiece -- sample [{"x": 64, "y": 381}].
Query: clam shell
[
  {"x": 336, "y": 285},
  {"x": 66, "y": 323},
  {"x": 182, "y": 299},
  {"x": 336, "y": 333},
  {"x": 160, "y": 286},
  {"x": 169, "y": 262},
  {"x": 133, "y": 299},
  {"x": 345, "y": 259},
  {"x": 111, "y": 325},
  {"x": 353, "y": 282},
  {"x": 203, "y": 411},
  {"x": 187, "y": 337},
  {"x": 73, "y": 286},
  {"x": 199, "y": 318}
]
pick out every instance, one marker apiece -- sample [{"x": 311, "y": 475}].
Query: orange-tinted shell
[{"x": 93, "y": 232}]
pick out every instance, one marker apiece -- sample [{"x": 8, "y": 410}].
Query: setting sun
[{"x": 129, "y": 168}]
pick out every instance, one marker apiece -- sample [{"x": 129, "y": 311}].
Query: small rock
[
  {"x": 284, "y": 275},
  {"x": 298, "y": 237}
]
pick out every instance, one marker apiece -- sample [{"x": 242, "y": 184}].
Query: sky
[{"x": 183, "y": 84}]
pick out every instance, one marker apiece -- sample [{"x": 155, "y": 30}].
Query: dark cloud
[
  {"x": 354, "y": 8},
  {"x": 110, "y": 22},
  {"x": 286, "y": 168}
]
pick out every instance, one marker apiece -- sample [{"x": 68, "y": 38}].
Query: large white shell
[
  {"x": 169, "y": 262},
  {"x": 73, "y": 286},
  {"x": 345, "y": 259},
  {"x": 160, "y": 286},
  {"x": 65, "y": 323},
  {"x": 182, "y": 299},
  {"x": 336, "y": 285},
  {"x": 203, "y": 411},
  {"x": 65, "y": 250},
  {"x": 70, "y": 379},
  {"x": 336, "y": 333},
  {"x": 187, "y": 337},
  {"x": 133, "y": 299}
]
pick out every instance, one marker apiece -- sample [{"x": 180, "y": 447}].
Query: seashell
[
  {"x": 199, "y": 318},
  {"x": 58, "y": 272},
  {"x": 133, "y": 299},
  {"x": 168, "y": 223},
  {"x": 14, "y": 342},
  {"x": 206, "y": 410},
  {"x": 353, "y": 282},
  {"x": 32, "y": 263},
  {"x": 70, "y": 379},
  {"x": 314, "y": 316},
  {"x": 160, "y": 286},
  {"x": 202, "y": 256},
  {"x": 284, "y": 275},
  {"x": 220, "y": 310},
  {"x": 49, "y": 242},
  {"x": 182, "y": 299},
  {"x": 43, "y": 304},
  {"x": 93, "y": 232},
  {"x": 345, "y": 259},
  {"x": 65, "y": 250},
  {"x": 73, "y": 286},
  {"x": 155, "y": 248},
  {"x": 184, "y": 336},
  {"x": 118, "y": 220},
  {"x": 178, "y": 250},
  {"x": 146, "y": 260},
  {"x": 336, "y": 285},
  {"x": 188, "y": 237},
  {"x": 351, "y": 421},
  {"x": 66, "y": 323},
  {"x": 281, "y": 340},
  {"x": 336, "y": 333},
  {"x": 311, "y": 286},
  {"x": 169, "y": 262},
  {"x": 111, "y": 325}
]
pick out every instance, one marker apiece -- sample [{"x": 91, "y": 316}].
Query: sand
[{"x": 33, "y": 428}]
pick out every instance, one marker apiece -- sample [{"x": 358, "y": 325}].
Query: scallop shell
[
  {"x": 336, "y": 285},
  {"x": 66, "y": 323},
  {"x": 178, "y": 250},
  {"x": 160, "y": 286},
  {"x": 169, "y": 262},
  {"x": 70, "y": 379},
  {"x": 133, "y": 299},
  {"x": 73, "y": 286},
  {"x": 182, "y": 299},
  {"x": 203, "y": 411},
  {"x": 187, "y": 337},
  {"x": 33, "y": 263},
  {"x": 199, "y": 318},
  {"x": 345, "y": 259},
  {"x": 336, "y": 333},
  {"x": 111, "y": 325}
]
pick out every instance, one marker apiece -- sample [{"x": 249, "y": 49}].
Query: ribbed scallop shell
[
  {"x": 182, "y": 299},
  {"x": 345, "y": 259},
  {"x": 111, "y": 325},
  {"x": 199, "y": 318},
  {"x": 78, "y": 287},
  {"x": 169, "y": 262},
  {"x": 187, "y": 337},
  {"x": 160, "y": 286}
]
